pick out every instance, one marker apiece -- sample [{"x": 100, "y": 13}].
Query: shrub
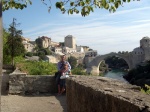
[
  {"x": 73, "y": 61},
  {"x": 78, "y": 71},
  {"x": 37, "y": 68},
  {"x": 146, "y": 89},
  {"x": 30, "y": 54}
]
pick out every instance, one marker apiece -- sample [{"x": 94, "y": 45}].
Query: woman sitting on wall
[{"x": 62, "y": 82}]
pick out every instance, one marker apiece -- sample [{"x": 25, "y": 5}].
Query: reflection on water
[{"x": 115, "y": 74}]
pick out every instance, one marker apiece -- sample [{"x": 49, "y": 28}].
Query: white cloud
[
  {"x": 129, "y": 11},
  {"x": 142, "y": 21}
]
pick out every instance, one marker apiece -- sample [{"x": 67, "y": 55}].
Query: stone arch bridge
[{"x": 93, "y": 66}]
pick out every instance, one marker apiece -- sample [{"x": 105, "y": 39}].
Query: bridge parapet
[{"x": 101, "y": 94}]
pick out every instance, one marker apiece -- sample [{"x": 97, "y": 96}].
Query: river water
[{"x": 115, "y": 74}]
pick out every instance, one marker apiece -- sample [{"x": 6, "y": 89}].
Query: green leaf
[
  {"x": 95, "y": 1},
  {"x": 119, "y": 3},
  {"x": 107, "y": 6},
  {"x": 99, "y": 4},
  {"x": 116, "y": 5},
  {"x": 72, "y": 3},
  {"x": 62, "y": 9},
  {"x": 111, "y": 0},
  {"x": 77, "y": 11},
  {"x": 30, "y": 2},
  {"x": 114, "y": 9},
  {"x": 71, "y": 11},
  {"x": 124, "y": 0},
  {"x": 104, "y": 3},
  {"x": 128, "y": 0},
  {"x": 92, "y": 9},
  {"x": 58, "y": 5},
  {"x": 89, "y": 8},
  {"x": 87, "y": 1},
  {"x": 82, "y": 3}
]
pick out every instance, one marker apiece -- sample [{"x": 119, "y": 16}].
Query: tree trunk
[{"x": 1, "y": 49}]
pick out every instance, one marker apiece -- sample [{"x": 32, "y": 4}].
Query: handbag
[{"x": 64, "y": 76}]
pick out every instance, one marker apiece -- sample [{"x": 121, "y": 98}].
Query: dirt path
[{"x": 15, "y": 103}]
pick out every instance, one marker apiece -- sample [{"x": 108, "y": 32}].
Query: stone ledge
[
  {"x": 31, "y": 84},
  {"x": 101, "y": 94}
]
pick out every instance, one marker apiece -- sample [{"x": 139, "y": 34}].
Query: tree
[
  {"x": 73, "y": 61},
  {"x": 6, "y": 57},
  {"x": 39, "y": 43},
  {"x": 87, "y": 6},
  {"x": 14, "y": 42},
  {"x": 17, "y": 4}
]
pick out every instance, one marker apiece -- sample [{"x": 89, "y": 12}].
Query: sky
[{"x": 102, "y": 31}]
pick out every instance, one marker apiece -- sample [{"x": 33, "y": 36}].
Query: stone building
[
  {"x": 54, "y": 44},
  {"x": 57, "y": 49},
  {"x": 46, "y": 41},
  {"x": 89, "y": 56},
  {"x": 145, "y": 45},
  {"x": 80, "y": 49},
  {"x": 68, "y": 50},
  {"x": 51, "y": 59},
  {"x": 70, "y": 41},
  {"x": 43, "y": 41},
  {"x": 138, "y": 55},
  {"x": 86, "y": 48},
  {"x": 92, "y": 53},
  {"x": 141, "y": 53},
  {"x": 28, "y": 45}
]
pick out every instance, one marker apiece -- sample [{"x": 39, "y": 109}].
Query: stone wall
[
  {"x": 7, "y": 69},
  {"x": 31, "y": 84},
  {"x": 5, "y": 83},
  {"x": 100, "y": 94}
]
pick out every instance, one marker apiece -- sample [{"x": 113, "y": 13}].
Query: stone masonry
[
  {"x": 101, "y": 94},
  {"x": 31, "y": 84}
]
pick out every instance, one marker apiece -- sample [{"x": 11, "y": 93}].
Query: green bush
[
  {"x": 37, "y": 68},
  {"x": 78, "y": 71},
  {"x": 30, "y": 54},
  {"x": 73, "y": 61},
  {"x": 146, "y": 89},
  {"x": 19, "y": 59}
]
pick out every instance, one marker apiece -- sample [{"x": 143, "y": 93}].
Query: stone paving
[{"x": 45, "y": 103}]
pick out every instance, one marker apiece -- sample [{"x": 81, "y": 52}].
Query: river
[{"x": 115, "y": 74}]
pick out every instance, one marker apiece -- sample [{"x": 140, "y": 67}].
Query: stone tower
[
  {"x": 137, "y": 56},
  {"x": 145, "y": 45},
  {"x": 70, "y": 41},
  {"x": 145, "y": 42}
]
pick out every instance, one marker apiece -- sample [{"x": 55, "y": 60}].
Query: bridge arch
[{"x": 93, "y": 66}]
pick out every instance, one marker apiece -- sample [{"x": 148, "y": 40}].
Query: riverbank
[{"x": 140, "y": 75}]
